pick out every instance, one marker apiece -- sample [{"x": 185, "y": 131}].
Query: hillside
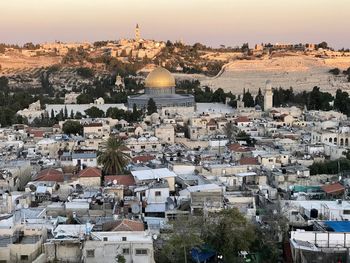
[{"x": 291, "y": 70}]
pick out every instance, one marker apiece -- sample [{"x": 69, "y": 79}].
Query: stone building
[
  {"x": 268, "y": 97},
  {"x": 160, "y": 86}
]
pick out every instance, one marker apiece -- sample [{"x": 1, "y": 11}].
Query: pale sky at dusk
[{"x": 213, "y": 22}]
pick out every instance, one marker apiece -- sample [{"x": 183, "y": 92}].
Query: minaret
[
  {"x": 137, "y": 33},
  {"x": 268, "y": 96}
]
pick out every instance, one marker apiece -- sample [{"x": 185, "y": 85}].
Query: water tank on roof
[{"x": 313, "y": 213}]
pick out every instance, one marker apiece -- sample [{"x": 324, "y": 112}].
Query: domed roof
[{"x": 160, "y": 78}]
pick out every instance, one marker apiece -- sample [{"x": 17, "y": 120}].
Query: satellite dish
[
  {"x": 154, "y": 237},
  {"x": 89, "y": 200},
  {"x": 32, "y": 187},
  {"x": 115, "y": 182},
  {"x": 135, "y": 208}
]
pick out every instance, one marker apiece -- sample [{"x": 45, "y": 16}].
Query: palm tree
[{"x": 112, "y": 156}]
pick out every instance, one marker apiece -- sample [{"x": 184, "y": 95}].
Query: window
[
  {"x": 123, "y": 238},
  {"x": 154, "y": 146},
  {"x": 158, "y": 193},
  {"x": 24, "y": 257},
  {"x": 105, "y": 238},
  {"x": 346, "y": 212},
  {"x": 141, "y": 252},
  {"x": 126, "y": 251},
  {"x": 90, "y": 253},
  {"x": 143, "y": 147}
]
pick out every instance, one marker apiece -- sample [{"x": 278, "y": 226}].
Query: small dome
[{"x": 160, "y": 78}]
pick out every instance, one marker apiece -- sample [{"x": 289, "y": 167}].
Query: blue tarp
[
  {"x": 202, "y": 254},
  {"x": 338, "y": 226}
]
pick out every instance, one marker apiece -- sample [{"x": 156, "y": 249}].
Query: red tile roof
[
  {"x": 236, "y": 147},
  {"x": 90, "y": 172},
  {"x": 126, "y": 180},
  {"x": 333, "y": 188},
  {"x": 50, "y": 175},
  {"x": 37, "y": 133},
  {"x": 242, "y": 119},
  {"x": 128, "y": 225},
  {"x": 248, "y": 161}
]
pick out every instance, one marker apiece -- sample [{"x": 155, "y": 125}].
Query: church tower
[
  {"x": 268, "y": 96},
  {"x": 137, "y": 33}
]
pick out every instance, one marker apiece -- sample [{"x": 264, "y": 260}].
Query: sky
[{"x": 212, "y": 22}]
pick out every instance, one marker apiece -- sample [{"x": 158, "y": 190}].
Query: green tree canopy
[
  {"x": 248, "y": 99},
  {"x": 85, "y": 98},
  {"x": 259, "y": 99},
  {"x": 85, "y": 72},
  {"x": 228, "y": 232},
  {"x": 94, "y": 112},
  {"x": 72, "y": 127},
  {"x": 186, "y": 234},
  {"x": 112, "y": 157},
  {"x": 151, "y": 106}
]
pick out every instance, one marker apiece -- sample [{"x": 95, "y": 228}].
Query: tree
[
  {"x": 65, "y": 112},
  {"x": 219, "y": 96},
  {"x": 323, "y": 45},
  {"x": 185, "y": 235},
  {"x": 259, "y": 99},
  {"x": 4, "y": 83},
  {"x": 229, "y": 130},
  {"x": 72, "y": 127},
  {"x": 151, "y": 106},
  {"x": 121, "y": 259},
  {"x": 112, "y": 156},
  {"x": 94, "y": 112},
  {"x": 335, "y": 71},
  {"x": 318, "y": 100},
  {"x": 78, "y": 115},
  {"x": 85, "y": 72},
  {"x": 52, "y": 115},
  {"x": 85, "y": 99},
  {"x": 342, "y": 102},
  {"x": 248, "y": 99},
  {"x": 228, "y": 232}
]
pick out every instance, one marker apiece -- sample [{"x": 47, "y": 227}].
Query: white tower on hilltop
[
  {"x": 137, "y": 33},
  {"x": 268, "y": 96}
]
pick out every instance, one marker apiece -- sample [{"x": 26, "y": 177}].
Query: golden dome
[{"x": 160, "y": 78}]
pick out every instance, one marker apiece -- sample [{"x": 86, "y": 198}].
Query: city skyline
[{"x": 213, "y": 23}]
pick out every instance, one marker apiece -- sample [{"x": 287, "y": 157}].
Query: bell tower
[
  {"x": 268, "y": 96},
  {"x": 137, "y": 33}
]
